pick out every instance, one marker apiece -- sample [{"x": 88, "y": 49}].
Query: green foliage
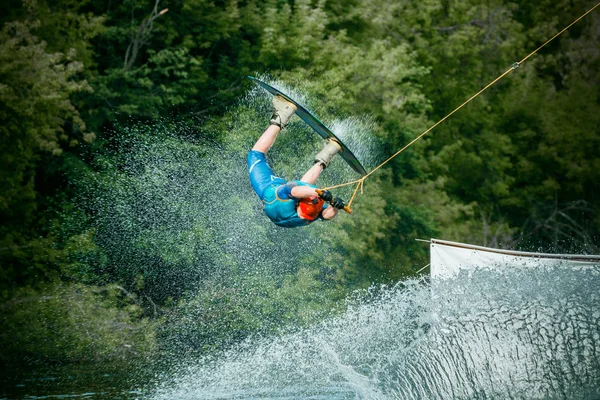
[
  {"x": 74, "y": 323},
  {"x": 36, "y": 117},
  {"x": 161, "y": 208},
  {"x": 35, "y": 91},
  {"x": 218, "y": 316},
  {"x": 498, "y": 154},
  {"x": 377, "y": 244},
  {"x": 65, "y": 26},
  {"x": 169, "y": 78}
]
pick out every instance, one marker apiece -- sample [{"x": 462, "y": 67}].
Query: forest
[{"x": 129, "y": 229}]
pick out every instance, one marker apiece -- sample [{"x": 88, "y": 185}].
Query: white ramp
[{"x": 448, "y": 258}]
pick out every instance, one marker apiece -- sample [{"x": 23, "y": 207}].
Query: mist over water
[{"x": 495, "y": 334}]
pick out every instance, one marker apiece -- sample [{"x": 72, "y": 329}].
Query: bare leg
[
  {"x": 264, "y": 143},
  {"x": 312, "y": 174}
]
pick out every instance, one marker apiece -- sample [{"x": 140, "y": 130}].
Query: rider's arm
[
  {"x": 329, "y": 213},
  {"x": 295, "y": 191},
  {"x": 301, "y": 192}
]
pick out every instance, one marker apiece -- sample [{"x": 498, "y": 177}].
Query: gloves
[
  {"x": 334, "y": 201},
  {"x": 337, "y": 203},
  {"x": 326, "y": 195}
]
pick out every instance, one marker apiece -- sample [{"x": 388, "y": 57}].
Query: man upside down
[{"x": 291, "y": 203}]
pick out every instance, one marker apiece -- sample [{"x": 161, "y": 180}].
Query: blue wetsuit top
[
  {"x": 280, "y": 205},
  {"x": 275, "y": 192}
]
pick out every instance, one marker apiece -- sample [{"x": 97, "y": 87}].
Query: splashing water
[
  {"x": 513, "y": 334},
  {"x": 176, "y": 218},
  {"x": 160, "y": 206},
  {"x": 187, "y": 205},
  {"x": 355, "y": 132}
]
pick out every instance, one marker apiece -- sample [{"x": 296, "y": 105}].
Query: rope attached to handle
[{"x": 346, "y": 207}]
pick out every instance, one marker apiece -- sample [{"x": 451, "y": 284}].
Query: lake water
[
  {"x": 530, "y": 334},
  {"x": 87, "y": 381}
]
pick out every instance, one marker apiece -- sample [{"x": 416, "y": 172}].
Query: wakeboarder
[{"x": 291, "y": 203}]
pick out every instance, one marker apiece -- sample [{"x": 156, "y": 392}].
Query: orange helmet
[{"x": 311, "y": 207}]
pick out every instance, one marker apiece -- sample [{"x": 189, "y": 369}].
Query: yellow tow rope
[{"x": 360, "y": 182}]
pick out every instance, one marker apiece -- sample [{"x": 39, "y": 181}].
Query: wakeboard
[{"x": 316, "y": 125}]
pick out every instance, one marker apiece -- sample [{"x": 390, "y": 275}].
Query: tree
[{"x": 37, "y": 117}]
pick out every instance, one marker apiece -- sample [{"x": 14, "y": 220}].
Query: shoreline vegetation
[{"x": 124, "y": 129}]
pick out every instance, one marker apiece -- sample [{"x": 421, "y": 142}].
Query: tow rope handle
[{"x": 346, "y": 208}]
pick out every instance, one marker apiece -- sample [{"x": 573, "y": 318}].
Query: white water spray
[{"x": 517, "y": 334}]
